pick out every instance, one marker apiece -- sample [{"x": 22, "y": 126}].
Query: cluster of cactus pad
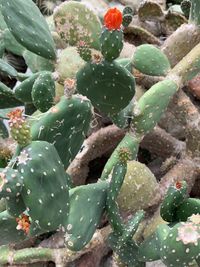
[{"x": 36, "y": 180}]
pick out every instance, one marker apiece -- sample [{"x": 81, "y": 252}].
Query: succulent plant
[{"x": 66, "y": 84}]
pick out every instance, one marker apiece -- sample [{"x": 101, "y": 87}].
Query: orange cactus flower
[
  {"x": 113, "y": 19},
  {"x": 23, "y": 223},
  {"x": 17, "y": 113}
]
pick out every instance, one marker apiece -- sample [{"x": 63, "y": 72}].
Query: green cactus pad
[
  {"x": 65, "y": 125},
  {"x": 131, "y": 227},
  {"x": 9, "y": 233},
  {"x": 23, "y": 91},
  {"x": 149, "y": 249},
  {"x": 37, "y": 63},
  {"x": 43, "y": 92},
  {"x": 11, "y": 191},
  {"x": 138, "y": 189},
  {"x": 181, "y": 245},
  {"x": 7, "y": 69},
  {"x": 7, "y": 98},
  {"x": 112, "y": 209},
  {"x": 125, "y": 62},
  {"x": 11, "y": 43},
  {"x": 111, "y": 44},
  {"x": 44, "y": 186},
  {"x": 123, "y": 118},
  {"x": 2, "y": 204},
  {"x": 74, "y": 62},
  {"x": 75, "y": 22},
  {"x": 87, "y": 204},
  {"x": 150, "y": 60},
  {"x": 84, "y": 51},
  {"x": 129, "y": 141},
  {"x": 128, "y": 253},
  {"x": 152, "y": 105},
  {"x": 188, "y": 207},
  {"x": 36, "y": 37},
  {"x": 2, "y": 47},
  {"x": 109, "y": 86},
  {"x": 175, "y": 196}
]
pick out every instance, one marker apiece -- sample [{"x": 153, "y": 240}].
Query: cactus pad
[{"x": 109, "y": 86}]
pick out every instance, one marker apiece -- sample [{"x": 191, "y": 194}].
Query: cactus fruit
[
  {"x": 87, "y": 204},
  {"x": 20, "y": 129},
  {"x": 65, "y": 125},
  {"x": 134, "y": 193},
  {"x": 75, "y": 22},
  {"x": 43, "y": 92},
  {"x": 36, "y": 37},
  {"x": 99, "y": 82},
  {"x": 150, "y": 60}
]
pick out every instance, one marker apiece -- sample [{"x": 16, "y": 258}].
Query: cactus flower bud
[
  {"x": 113, "y": 19},
  {"x": 178, "y": 185},
  {"x": 20, "y": 130}
]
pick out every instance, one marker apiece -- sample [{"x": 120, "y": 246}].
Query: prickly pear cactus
[
  {"x": 150, "y": 60},
  {"x": 99, "y": 82},
  {"x": 75, "y": 22},
  {"x": 37, "y": 37},
  {"x": 182, "y": 244},
  {"x": 43, "y": 92},
  {"x": 44, "y": 185},
  {"x": 7, "y": 97},
  {"x": 65, "y": 125},
  {"x": 134, "y": 193},
  {"x": 87, "y": 204}
]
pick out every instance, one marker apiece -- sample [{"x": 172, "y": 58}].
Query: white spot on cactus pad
[
  {"x": 188, "y": 233},
  {"x": 23, "y": 158}
]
